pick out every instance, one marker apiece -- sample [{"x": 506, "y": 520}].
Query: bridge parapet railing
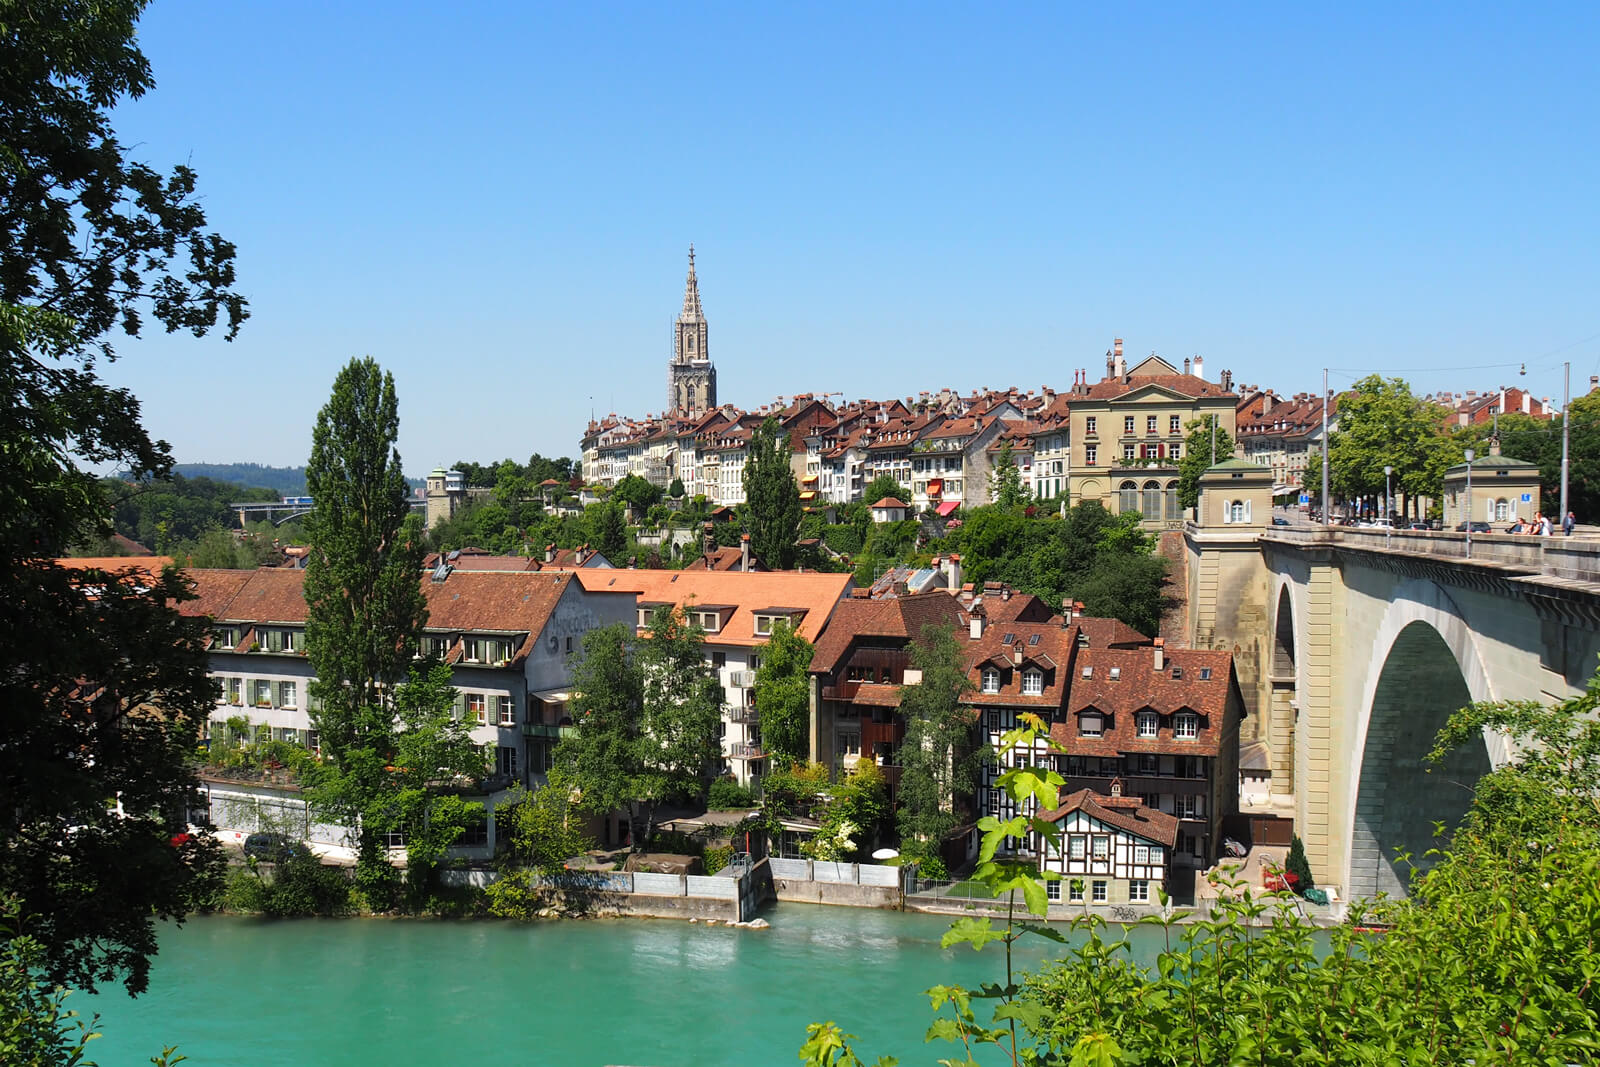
[{"x": 1577, "y": 559}]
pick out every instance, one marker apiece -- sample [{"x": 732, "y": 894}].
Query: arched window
[
  {"x": 991, "y": 680},
  {"x": 1128, "y": 497},
  {"x": 1173, "y": 510},
  {"x": 1186, "y": 726},
  {"x": 1147, "y": 723},
  {"x": 1501, "y": 511},
  {"x": 1032, "y": 683},
  {"x": 1152, "y": 500}
]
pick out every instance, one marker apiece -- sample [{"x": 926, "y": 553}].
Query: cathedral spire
[{"x": 691, "y": 294}]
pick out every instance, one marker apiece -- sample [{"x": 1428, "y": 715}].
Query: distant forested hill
[{"x": 285, "y": 481}]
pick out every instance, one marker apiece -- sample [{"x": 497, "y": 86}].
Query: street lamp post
[
  {"x": 1388, "y": 522},
  {"x": 1469, "y": 503}
]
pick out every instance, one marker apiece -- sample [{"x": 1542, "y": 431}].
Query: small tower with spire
[{"x": 691, "y": 378}]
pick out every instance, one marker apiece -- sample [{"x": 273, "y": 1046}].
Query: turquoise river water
[{"x": 233, "y": 992}]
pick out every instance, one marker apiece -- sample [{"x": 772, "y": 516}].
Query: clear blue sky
[{"x": 495, "y": 202}]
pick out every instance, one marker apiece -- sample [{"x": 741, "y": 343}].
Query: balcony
[
  {"x": 743, "y": 715},
  {"x": 546, "y": 730},
  {"x": 743, "y": 750},
  {"x": 741, "y": 679},
  {"x": 842, "y": 691}
]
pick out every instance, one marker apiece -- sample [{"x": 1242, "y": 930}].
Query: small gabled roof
[{"x": 1154, "y": 826}]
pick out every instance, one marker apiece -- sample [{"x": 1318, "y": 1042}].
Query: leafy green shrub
[
  {"x": 716, "y": 859},
  {"x": 514, "y": 895},
  {"x": 245, "y": 891},
  {"x": 845, "y": 540},
  {"x": 300, "y": 886},
  {"x": 728, "y": 795}
]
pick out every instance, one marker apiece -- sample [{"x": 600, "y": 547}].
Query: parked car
[
  {"x": 1279, "y": 520},
  {"x": 274, "y": 848},
  {"x": 1477, "y": 527}
]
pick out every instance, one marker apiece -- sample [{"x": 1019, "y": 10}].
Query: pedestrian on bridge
[{"x": 1568, "y": 523}]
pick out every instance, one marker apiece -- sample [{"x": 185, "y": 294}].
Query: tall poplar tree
[
  {"x": 364, "y": 604},
  {"x": 772, "y": 496},
  {"x": 783, "y": 695}
]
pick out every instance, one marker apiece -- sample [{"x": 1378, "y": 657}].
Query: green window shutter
[{"x": 460, "y": 705}]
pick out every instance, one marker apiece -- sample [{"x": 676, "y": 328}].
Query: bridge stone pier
[{"x": 1353, "y": 647}]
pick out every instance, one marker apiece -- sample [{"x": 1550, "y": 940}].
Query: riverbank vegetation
[{"x": 1492, "y": 959}]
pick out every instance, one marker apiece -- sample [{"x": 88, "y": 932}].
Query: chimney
[
  {"x": 744, "y": 552},
  {"x": 1161, "y": 654},
  {"x": 583, "y": 554},
  {"x": 550, "y": 553},
  {"x": 975, "y": 622},
  {"x": 1594, "y": 382},
  {"x": 1077, "y": 609},
  {"x": 1066, "y": 611},
  {"x": 1266, "y": 403},
  {"x": 1186, "y": 364},
  {"x": 1200, "y": 367},
  {"x": 1226, "y": 378},
  {"x": 952, "y": 570}
]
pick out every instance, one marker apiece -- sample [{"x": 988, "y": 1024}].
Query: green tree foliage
[
  {"x": 1382, "y": 424},
  {"x": 1539, "y": 441},
  {"x": 783, "y": 695},
  {"x": 37, "y": 1029},
  {"x": 772, "y": 496},
  {"x": 103, "y": 697},
  {"x": 1104, "y": 560},
  {"x": 365, "y": 609},
  {"x": 1198, "y": 456},
  {"x": 543, "y": 829},
  {"x": 647, "y": 715},
  {"x": 253, "y": 477},
  {"x": 299, "y": 886},
  {"x": 883, "y": 486},
  {"x": 162, "y": 513},
  {"x": 938, "y": 759},
  {"x": 1491, "y": 960},
  {"x": 676, "y": 490},
  {"x": 1005, "y": 481},
  {"x": 433, "y": 754},
  {"x": 852, "y": 813},
  {"x": 608, "y": 530},
  {"x": 636, "y": 492}
]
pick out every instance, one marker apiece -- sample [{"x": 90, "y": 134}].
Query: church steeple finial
[{"x": 691, "y": 293}]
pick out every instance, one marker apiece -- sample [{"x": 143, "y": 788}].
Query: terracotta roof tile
[
  {"x": 902, "y": 617},
  {"x": 1148, "y": 823},
  {"x": 1203, "y": 682},
  {"x": 816, "y": 593}
]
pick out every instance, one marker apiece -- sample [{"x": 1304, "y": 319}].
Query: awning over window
[{"x": 948, "y": 508}]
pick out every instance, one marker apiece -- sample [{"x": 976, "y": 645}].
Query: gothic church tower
[{"x": 691, "y": 379}]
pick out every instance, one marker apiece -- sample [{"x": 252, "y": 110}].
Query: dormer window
[
  {"x": 227, "y": 637},
  {"x": 1186, "y": 726},
  {"x": 1032, "y": 683},
  {"x": 991, "y": 680},
  {"x": 1091, "y": 724},
  {"x": 1116, "y": 674},
  {"x": 436, "y": 645},
  {"x": 1147, "y": 723},
  {"x": 709, "y": 621},
  {"x": 280, "y": 640}
]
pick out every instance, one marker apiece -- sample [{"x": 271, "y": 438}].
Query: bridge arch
[{"x": 1425, "y": 664}]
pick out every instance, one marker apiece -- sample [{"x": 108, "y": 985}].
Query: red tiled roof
[
  {"x": 1182, "y": 384},
  {"x": 816, "y": 593},
  {"x": 891, "y": 502},
  {"x": 902, "y": 617},
  {"x": 1136, "y": 818},
  {"x": 1052, "y": 654},
  {"x": 1138, "y": 686},
  {"x": 723, "y": 559}
]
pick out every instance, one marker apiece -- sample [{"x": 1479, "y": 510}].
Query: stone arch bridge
[{"x": 1353, "y": 647}]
